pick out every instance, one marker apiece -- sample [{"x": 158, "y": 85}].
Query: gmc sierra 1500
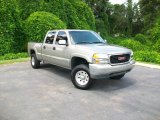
[{"x": 85, "y": 53}]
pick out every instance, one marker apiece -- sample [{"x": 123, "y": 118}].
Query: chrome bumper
[{"x": 98, "y": 71}]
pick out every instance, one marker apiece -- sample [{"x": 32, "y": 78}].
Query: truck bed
[{"x": 37, "y": 47}]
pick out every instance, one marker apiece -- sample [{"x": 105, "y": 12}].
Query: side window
[
  {"x": 61, "y": 36},
  {"x": 50, "y": 37}
]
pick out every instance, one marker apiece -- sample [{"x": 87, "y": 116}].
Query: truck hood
[{"x": 105, "y": 48}]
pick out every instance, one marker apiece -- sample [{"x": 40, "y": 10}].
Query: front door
[{"x": 60, "y": 51}]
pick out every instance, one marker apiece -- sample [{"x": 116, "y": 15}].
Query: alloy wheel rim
[{"x": 82, "y": 77}]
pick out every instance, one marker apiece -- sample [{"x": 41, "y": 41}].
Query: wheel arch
[
  {"x": 32, "y": 51},
  {"x": 77, "y": 60}
]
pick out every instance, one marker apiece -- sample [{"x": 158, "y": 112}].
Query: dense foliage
[
  {"x": 141, "y": 52},
  {"x": 141, "y": 38},
  {"x": 123, "y": 22},
  {"x": 155, "y": 31},
  {"x": 100, "y": 27},
  {"x": 150, "y": 9},
  {"x": 38, "y": 23},
  {"x": 147, "y": 56},
  {"x": 157, "y": 46},
  {"x": 64, "y": 10},
  {"x": 86, "y": 18},
  {"x": 132, "y": 25},
  {"x": 132, "y": 44},
  {"x": 9, "y": 26},
  {"x": 23, "y": 20}
]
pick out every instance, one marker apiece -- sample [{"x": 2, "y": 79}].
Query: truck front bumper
[{"x": 98, "y": 71}]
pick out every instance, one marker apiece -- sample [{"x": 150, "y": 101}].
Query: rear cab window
[{"x": 50, "y": 37}]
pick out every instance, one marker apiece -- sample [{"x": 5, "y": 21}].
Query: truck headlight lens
[{"x": 100, "y": 58}]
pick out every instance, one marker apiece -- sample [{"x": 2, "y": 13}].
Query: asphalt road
[{"x": 48, "y": 94}]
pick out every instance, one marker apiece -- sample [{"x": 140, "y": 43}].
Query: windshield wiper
[{"x": 84, "y": 42}]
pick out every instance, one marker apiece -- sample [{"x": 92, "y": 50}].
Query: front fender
[{"x": 86, "y": 57}]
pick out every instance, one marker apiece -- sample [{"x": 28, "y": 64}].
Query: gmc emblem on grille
[{"x": 121, "y": 58}]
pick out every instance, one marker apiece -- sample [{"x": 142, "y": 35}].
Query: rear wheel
[
  {"x": 80, "y": 77},
  {"x": 117, "y": 77},
  {"x": 34, "y": 62}
]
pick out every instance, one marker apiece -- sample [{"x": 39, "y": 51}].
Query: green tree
[
  {"x": 85, "y": 16},
  {"x": 129, "y": 17},
  {"x": 9, "y": 27},
  {"x": 29, "y": 6},
  {"x": 118, "y": 19},
  {"x": 137, "y": 20},
  {"x": 100, "y": 27},
  {"x": 100, "y": 9},
  {"x": 150, "y": 10},
  {"x": 155, "y": 32}
]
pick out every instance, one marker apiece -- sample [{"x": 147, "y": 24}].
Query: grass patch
[
  {"x": 2, "y": 62},
  {"x": 11, "y": 56}
]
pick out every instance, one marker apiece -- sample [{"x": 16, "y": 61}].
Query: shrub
[
  {"x": 64, "y": 10},
  {"x": 147, "y": 56},
  {"x": 155, "y": 34},
  {"x": 141, "y": 38},
  {"x": 11, "y": 56},
  {"x": 113, "y": 40},
  {"x": 132, "y": 44},
  {"x": 157, "y": 46},
  {"x": 38, "y": 23}
]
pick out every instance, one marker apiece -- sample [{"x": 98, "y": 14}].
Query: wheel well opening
[
  {"x": 32, "y": 52},
  {"x": 77, "y": 61}
]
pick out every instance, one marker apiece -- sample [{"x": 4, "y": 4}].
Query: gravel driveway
[{"x": 48, "y": 94}]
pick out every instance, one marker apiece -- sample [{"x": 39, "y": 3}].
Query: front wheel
[
  {"x": 117, "y": 77},
  {"x": 80, "y": 77},
  {"x": 35, "y": 63}
]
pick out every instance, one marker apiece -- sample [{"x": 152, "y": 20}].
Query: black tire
[
  {"x": 34, "y": 62},
  {"x": 117, "y": 77},
  {"x": 76, "y": 76}
]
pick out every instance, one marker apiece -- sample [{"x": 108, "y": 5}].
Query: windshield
[{"x": 85, "y": 37}]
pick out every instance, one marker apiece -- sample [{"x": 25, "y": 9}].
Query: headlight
[{"x": 100, "y": 58}]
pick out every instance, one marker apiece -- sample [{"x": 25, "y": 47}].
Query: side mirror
[
  {"x": 62, "y": 42},
  {"x": 105, "y": 41}
]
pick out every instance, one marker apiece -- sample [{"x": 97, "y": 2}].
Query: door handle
[
  {"x": 44, "y": 47},
  {"x": 54, "y": 48}
]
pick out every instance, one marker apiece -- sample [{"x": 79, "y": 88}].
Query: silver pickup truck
[{"x": 85, "y": 53}]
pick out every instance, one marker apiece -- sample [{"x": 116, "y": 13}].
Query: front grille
[{"x": 115, "y": 59}]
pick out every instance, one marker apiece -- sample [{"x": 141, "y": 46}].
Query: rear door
[{"x": 47, "y": 47}]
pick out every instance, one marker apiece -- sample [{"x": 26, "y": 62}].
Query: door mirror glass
[{"x": 62, "y": 42}]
